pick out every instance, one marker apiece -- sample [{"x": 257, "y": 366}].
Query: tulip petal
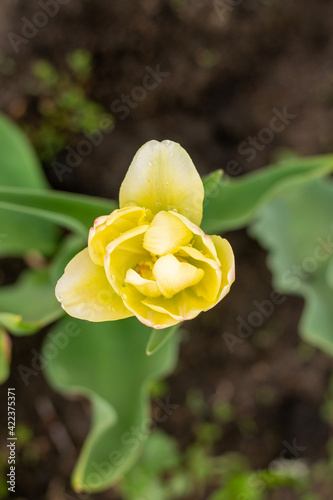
[
  {"x": 133, "y": 300},
  {"x": 201, "y": 241},
  {"x": 144, "y": 286},
  {"x": 183, "y": 306},
  {"x": 227, "y": 261},
  {"x": 123, "y": 253},
  {"x": 85, "y": 293},
  {"x": 210, "y": 285},
  {"x": 163, "y": 177},
  {"x": 166, "y": 234},
  {"x": 173, "y": 276},
  {"x": 108, "y": 227}
]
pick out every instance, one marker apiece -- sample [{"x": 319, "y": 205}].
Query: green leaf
[
  {"x": 146, "y": 479},
  {"x": 212, "y": 185},
  {"x": 81, "y": 208},
  {"x": 240, "y": 486},
  {"x": 159, "y": 337},
  {"x": 107, "y": 363},
  {"x": 296, "y": 228},
  {"x": 26, "y": 215},
  {"x": 19, "y": 165},
  {"x": 29, "y": 304},
  {"x": 237, "y": 200},
  {"x": 5, "y": 355},
  {"x": 20, "y": 233}
]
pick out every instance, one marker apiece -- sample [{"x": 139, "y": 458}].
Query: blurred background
[{"x": 90, "y": 82}]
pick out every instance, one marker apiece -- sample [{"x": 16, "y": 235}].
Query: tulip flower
[{"x": 149, "y": 258}]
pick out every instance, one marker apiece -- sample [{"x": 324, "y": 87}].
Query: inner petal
[
  {"x": 166, "y": 234},
  {"x": 210, "y": 285},
  {"x": 145, "y": 286},
  {"x": 173, "y": 276},
  {"x": 124, "y": 253},
  {"x": 108, "y": 227}
]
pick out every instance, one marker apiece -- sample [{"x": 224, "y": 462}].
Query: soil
[{"x": 226, "y": 74}]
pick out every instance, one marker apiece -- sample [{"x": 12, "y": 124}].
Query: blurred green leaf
[
  {"x": 20, "y": 232},
  {"x": 29, "y": 304},
  {"x": 160, "y": 453},
  {"x": 146, "y": 479},
  {"x": 5, "y": 355},
  {"x": 23, "y": 228},
  {"x": 80, "y": 62},
  {"x": 159, "y": 337},
  {"x": 81, "y": 210},
  {"x": 241, "y": 487},
  {"x": 45, "y": 72},
  {"x": 296, "y": 228},
  {"x": 19, "y": 165},
  {"x": 212, "y": 184},
  {"x": 236, "y": 201},
  {"x": 107, "y": 363}
]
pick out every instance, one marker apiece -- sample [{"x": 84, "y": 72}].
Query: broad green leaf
[
  {"x": 81, "y": 208},
  {"x": 5, "y": 355},
  {"x": 29, "y": 304},
  {"x": 296, "y": 228},
  {"x": 159, "y": 337},
  {"x": 19, "y": 165},
  {"x": 316, "y": 324},
  {"x": 26, "y": 216},
  {"x": 20, "y": 233},
  {"x": 237, "y": 200},
  {"x": 330, "y": 274},
  {"x": 212, "y": 183},
  {"x": 107, "y": 363},
  {"x": 32, "y": 297}
]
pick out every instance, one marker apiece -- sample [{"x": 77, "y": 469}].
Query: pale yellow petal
[
  {"x": 173, "y": 276},
  {"x": 85, "y": 293},
  {"x": 227, "y": 260},
  {"x": 210, "y": 284},
  {"x": 183, "y": 306},
  {"x": 166, "y": 234},
  {"x": 144, "y": 286},
  {"x": 163, "y": 177},
  {"x": 148, "y": 316},
  {"x": 108, "y": 227},
  {"x": 201, "y": 241},
  {"x": 123, "y": 253}
]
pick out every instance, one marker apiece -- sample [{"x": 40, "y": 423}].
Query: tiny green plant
[{"x": 62, "y": 104}]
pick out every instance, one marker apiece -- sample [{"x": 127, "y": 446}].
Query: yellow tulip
[{"x": 149, "y": 258}]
